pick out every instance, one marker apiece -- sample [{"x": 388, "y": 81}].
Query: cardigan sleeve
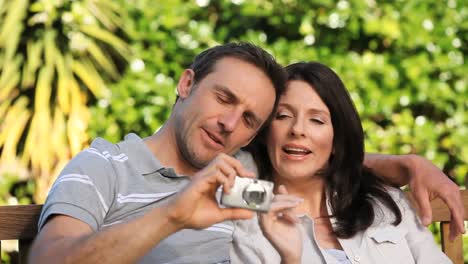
[{"x": 250, "y": 246}]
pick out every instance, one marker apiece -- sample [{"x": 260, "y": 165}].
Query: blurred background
[{"x": 74, "y": 70}]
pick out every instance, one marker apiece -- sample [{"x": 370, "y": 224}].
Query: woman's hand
[{"x": 280, "y": 226}]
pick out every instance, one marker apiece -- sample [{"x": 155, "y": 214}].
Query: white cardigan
[{"x": 382, "y": 243}]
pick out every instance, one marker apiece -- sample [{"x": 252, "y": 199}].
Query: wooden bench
[
  {"x": 20, "y": 223},
  {"x": 441, "y": 214}
]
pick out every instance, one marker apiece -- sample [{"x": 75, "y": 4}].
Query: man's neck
[{"x": 163, "y": 145}]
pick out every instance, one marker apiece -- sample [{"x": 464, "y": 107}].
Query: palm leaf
[
  {"x": 13, "y": 134},
  {"x": 105, "y": 63},
  {"x": 33, "y": 61},
  {"x": 86, "y": 71},
  {"x": 4, "y": 105},
  {"x": 9, "y": 77},
  {"x": 64, "y": 76},
  {"x": 105, "y": 12},
  {"x": 43, "y": 91},
  {"x": 3, "y": 7},
  {"x": 59, "y": 136},
  {"x": 11, "y": 118},
  {"x": 78, "y": 118},
  {"x": 15, "y": 14},
  {"x": 106, "y": 37},
  {"x": 49, "y": 47}
]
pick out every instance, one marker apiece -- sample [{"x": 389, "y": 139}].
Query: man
[{"x": 154, "y": 200}]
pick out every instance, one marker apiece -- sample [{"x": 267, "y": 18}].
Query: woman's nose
[{"x": 297, "y": 128}]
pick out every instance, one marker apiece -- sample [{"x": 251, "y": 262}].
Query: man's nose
[{"x": 230, "y": 120}]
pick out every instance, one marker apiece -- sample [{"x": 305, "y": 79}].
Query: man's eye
[
  {"x": 249, "y": 122},
  {"x": 222, "y": 99}
]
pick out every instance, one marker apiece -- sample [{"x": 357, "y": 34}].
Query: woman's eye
[
  {"x": 317, "y": 121},
  {"x": 282, "y": 116}
]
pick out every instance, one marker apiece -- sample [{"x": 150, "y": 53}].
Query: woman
[{"x": 336, "y": 211}]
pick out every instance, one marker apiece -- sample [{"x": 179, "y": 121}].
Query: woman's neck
[{"x": 312, "y": 190}]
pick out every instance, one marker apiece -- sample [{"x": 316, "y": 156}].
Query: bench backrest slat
[{"x": 20, "y": 223}]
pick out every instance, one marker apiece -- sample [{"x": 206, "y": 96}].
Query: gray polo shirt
[{"x": 108, "y": 184}]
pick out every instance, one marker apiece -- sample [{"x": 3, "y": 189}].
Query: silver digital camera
[{"x": 249, "y": 193}]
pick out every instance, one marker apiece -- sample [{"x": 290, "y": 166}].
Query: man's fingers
[
  {"x": 226, "y": 169},
  {"x": 453, "y": 229},
  {"x": 237, "y": 165},
  {"x": 236, "y": 214},
  {"x": 230, "y": 174},
  {"x": 424, "y": 207},
  {"x": 457, "y": 211},
  {"x": 457, "y": 225}
]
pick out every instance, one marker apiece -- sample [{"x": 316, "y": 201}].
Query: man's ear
[{"x": 185, "y": 84}]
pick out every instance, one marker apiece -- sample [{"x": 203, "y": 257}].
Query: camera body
[{"x": 249, "y": 193}]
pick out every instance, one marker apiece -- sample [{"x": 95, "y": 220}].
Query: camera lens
[{"x": 254, "y": 194}]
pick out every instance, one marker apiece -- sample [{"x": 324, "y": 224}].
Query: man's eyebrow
[{"x": 231, "y": 97}]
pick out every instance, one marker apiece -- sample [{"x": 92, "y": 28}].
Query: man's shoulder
[
  {"x": 102, "y": 155},
  {"x": 132, "y": 145},
  {"x": 100, "y": 151},
  {"x": 106, "y": 146},
  {"x": 243, "y": 155},
  {"x": 103, "y": 144},
  {"x": 247, "y": 160}
]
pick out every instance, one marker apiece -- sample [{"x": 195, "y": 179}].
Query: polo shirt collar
[{"x": 145, "y": 161}]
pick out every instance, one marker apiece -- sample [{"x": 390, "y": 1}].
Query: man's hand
[
  {"x": 428, "y": 182},
  {"x": 196, "y": 205}
]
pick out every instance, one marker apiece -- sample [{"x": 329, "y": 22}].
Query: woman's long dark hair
[{"x": 352, "y": 188}]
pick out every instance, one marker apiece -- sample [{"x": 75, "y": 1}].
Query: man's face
[{"x": 223, "y": 111}]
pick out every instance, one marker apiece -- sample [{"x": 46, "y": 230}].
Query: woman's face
[{"x": 300, "y": 138}]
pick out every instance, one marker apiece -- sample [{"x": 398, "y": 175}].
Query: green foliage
[
  {"x": 402, "y": 61},
  {"x": 53, "y": 56},
  {"x": 465, "y": 248},
  {"x": 16, "y": 191},
  {"x": 163, "y": 39}
]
